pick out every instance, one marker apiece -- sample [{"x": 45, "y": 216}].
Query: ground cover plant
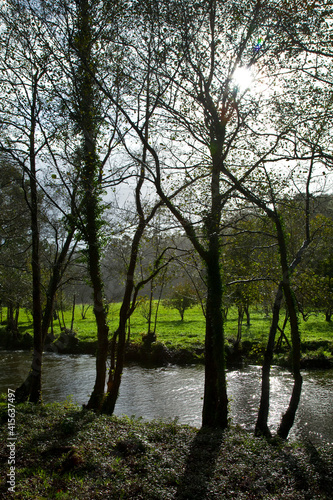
[{"x": 65, "y": 452}]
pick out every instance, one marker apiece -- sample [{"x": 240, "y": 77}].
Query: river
[{"x": 176, "y": 392}]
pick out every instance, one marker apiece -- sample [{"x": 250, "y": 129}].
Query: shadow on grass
[
  {"x": 176, "y": 327},
  {"x": 320, "y": 466},
  {"x": 200, "y": 465}
]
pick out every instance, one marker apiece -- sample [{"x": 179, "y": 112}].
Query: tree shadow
[
  {"x": 325, "y": 476},
  {"x": 200, "y": 465}
]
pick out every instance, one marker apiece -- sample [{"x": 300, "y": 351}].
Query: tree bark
[
  {"x": 17, "y": 314},
  {"x": 86, "y": 117},
  {"x": 239, "y": 326},
  {"x": 118, "y": 348},
  {"x": 32, "y": 390},
  {"x": 261, "y": 428},
  {"x": 215, "y": 404},
  {"x": 96, "y": 398},
  {"x": 286, "y": 290},
  {"x": 248, "y": 317},
  {"x": 73, "y": 313},
  {"x": 289, "y": 417},
  {"x": 30, "y": 384}
]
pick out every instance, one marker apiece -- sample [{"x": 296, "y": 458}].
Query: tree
[
  {"x": 195, "y": 93},
  {"x": 181, "y": 297},
  {"x": 247, "y": 260},
  {"x": 144, "y": 216},
  {"x": 24, "y": 74},
  {"x": 15, "y": 277},
  {"x": 204, "y": 89},
  {"x": 195, "y": 136},
  {"x": 228, "y": 127},
  {"x": 25, "y": 66},
  {"x": 87, "y": 115},
  {"x": 313, "y": 280}
]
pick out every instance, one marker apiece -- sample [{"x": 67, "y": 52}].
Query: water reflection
[{"x": 177, "y": 391}]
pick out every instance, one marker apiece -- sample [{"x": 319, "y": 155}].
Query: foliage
[
  {"x": 181, "y": 297},
  {"x": 103, "y": 94},
  {"x": 15, "y": 272}
]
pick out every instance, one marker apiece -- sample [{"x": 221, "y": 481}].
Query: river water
[{"x": 176, "y": 392}]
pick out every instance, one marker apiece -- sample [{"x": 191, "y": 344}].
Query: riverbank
[
  {"x": 180, "y": 342},
  {"x": 316, "y": 354},
  {"x": 64, "y": 452}
]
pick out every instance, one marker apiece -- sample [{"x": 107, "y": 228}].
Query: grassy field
[
  {"x": 182, "y": 342},
  {"x": 190, "y": 332},
  {"x": 63, "y": 452}
]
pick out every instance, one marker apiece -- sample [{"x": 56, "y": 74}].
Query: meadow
[{"x": 316, "y": 333}]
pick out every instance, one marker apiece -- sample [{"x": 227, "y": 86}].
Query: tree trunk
[
  {"x": 51, "y": 324},
  {"x": 282, "y": 334},
  {"x": 248, "y": 317},
  {"x": 87, "y": 117},
  {"x": 32, "y": 389},
  {"x": 261, "y": 428},
  {"x": 158, "y": 304},
  {"x": 118, "y": 348},
  {"x": 33, "y": 380},
  {"x": 117, "y": 370},
  {"x": 84, "y": 311},
  {"x": 10, "y": 316},
  {"x": 63, "y": 314},
  {"x": 17, "y": 313},
  {"x": 128, "y": 330},
  {"x": 73, "y": 313},
  {"x": 100, "y": 312},
  {"x": 239, "y": 326},
  {"x": 289, "y": 417},
  {"x": 97, "y": 396},
  {"x": 215, "y": 405},
  {"x": 150, "y": 311},
  {"x": 57, "y": 272}
]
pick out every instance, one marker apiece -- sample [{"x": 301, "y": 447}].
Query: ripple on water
[{"x": 174, "y": 391}]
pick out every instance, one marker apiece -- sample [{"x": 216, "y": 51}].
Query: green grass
[
  {"x": 64, "y": 452},
  {"x": 188, "y": 333}
]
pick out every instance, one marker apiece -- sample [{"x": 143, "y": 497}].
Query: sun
[{"x": 242, "y": 78}]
